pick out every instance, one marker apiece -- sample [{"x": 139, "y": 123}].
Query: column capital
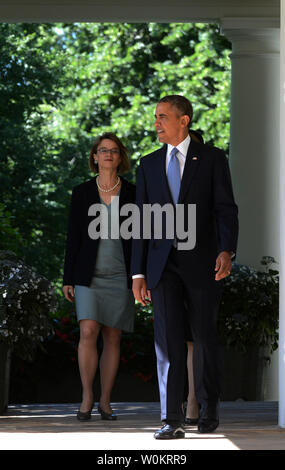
[{"x": 252, "y": 36}]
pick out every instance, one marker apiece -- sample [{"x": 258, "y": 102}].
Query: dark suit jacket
[
  {"x": 81, "y": 250},
  {"x": 206, "y": 182}
]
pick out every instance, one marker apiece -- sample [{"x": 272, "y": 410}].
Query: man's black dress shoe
[
  {"x": 170, "y": 431},
  {"x": 209, "y": 418}
]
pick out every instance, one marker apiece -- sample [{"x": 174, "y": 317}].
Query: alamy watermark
[{"x": 154, "y": 221}]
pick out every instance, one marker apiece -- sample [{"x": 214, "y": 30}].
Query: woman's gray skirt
[{"x": 107, "y": 300}]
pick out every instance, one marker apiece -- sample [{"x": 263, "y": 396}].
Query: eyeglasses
[{"x": 104, "y": 151}]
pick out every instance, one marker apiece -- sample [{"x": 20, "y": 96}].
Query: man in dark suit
[{"x": 171, "y": 275}]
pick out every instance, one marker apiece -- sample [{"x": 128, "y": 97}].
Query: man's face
[{"x": 170, "y": 127}]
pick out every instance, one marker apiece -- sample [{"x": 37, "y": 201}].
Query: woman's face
[{"x": 108, "y": 155}]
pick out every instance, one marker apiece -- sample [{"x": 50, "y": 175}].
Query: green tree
[
  {"x": 10, "y": 238},
  {"x": 31, "y": 68},
  {"x": 119, "y": 71}
]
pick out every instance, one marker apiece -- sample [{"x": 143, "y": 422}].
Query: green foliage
[
  {"x": 249, "y": 310},
  {"x": 26, "y": 300},
  {"x": 29, "y": 174},
  {"x": 10, "y": 238},
  {"x": 119, "y": 71}
]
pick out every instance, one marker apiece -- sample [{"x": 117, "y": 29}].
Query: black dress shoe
[
  {"x": 84, "y": 415},
  {"x": 169, "y": 431},
  {"x": 107, "y": 416},
  {"x": 209, "y": 418},
  {"x": 191, "y": 421}
]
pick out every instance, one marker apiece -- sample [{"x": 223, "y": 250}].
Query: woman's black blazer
[{"x": 81, "y": 250}]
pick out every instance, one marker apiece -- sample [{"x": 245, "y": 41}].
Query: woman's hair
[
  {"x": 195, "y": 135},
  {"x": 124, "y": 166}
]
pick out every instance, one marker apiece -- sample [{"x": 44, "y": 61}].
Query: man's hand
[
  {"x": 223, "y": 265},
  {"x": 68, "y": 293},
  {"x": 141, "y": 294}
]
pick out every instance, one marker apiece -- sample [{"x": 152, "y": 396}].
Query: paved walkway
[{"x": 243, "y": 425}]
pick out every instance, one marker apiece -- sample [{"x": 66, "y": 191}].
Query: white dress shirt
[{"x": 181, "y": 155}]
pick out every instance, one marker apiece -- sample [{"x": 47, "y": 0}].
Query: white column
[
  {"x": 254, "y": 145},
  {"x": 282, "y": 225}
]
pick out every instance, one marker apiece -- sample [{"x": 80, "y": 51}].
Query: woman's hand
[{"x": 68, "y": 293}]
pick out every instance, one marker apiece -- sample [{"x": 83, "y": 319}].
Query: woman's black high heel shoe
[
  {"x": 190, "y": 421},
  {"x": 84, "y": 415},
  {"x": 106, "y": 416}
]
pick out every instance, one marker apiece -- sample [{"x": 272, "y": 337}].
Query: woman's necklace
[{"x": 107, "y": 190}]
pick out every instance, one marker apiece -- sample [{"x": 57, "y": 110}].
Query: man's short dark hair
[{"x": 181, "y": 103}]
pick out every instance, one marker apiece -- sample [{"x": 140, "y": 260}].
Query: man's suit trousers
[{"x": 174, "y": 299}]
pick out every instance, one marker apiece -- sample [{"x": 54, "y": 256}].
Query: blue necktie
[{"x": 173, "y": 175}]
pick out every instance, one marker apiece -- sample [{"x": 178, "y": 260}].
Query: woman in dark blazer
[{"x": 97, "y": 270}]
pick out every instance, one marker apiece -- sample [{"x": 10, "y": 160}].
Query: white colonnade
[
  {"x": 254, "y": 142},
  {"x": 255, "y": 145}
]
